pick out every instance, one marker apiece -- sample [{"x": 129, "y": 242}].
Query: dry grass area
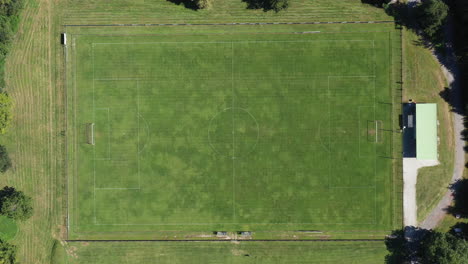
[{"x": 34, "y": 139}]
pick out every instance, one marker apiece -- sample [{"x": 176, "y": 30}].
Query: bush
[
  {"x": 432, "y": 16},
  {"x": 5, "y": 162},
  {"x": 203, "y": 4},
  {"x": 193, "y": 4},
  {"x": 443, "y": 248},
  {"x": 278, "y": 5},
  {"x": 7, "y": 253},
  {"x": 10, "y": 7},
  {"x": 266, "y": 5},
  {"x": 5, "y": 112},
  {"x": 6, "y": 32},
  {"x": 15, "y": 204}
]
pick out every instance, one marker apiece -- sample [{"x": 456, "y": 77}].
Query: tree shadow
[
  {"x": 186, "y": 3},
  {"x": 460, "y": 230},
  {"x": 397, "y": 247},
  {"x": 403, "y": 244},
  {"x": 451, "y": 97},
  {"x": 460, "y": 198},
  {"x": 265, "y": 5},
  {"x": 376, "y": 3}
]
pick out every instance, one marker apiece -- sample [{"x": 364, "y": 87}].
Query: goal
[{"x": 90, "y": 133}]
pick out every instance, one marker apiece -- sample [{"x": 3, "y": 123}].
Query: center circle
[{"x": 233, "y": 132}]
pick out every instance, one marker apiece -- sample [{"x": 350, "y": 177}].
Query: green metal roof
[{"x": 426, "y": 131}]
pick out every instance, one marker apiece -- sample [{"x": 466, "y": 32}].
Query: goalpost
[
  {"x": 378, "y": 127},
  {"x": 90, "y": 133}
]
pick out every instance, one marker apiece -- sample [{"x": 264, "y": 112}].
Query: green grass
[
  {"x": 251, "y": 130},
  {"x": 8, "y": 228},
  {"x": 141, "y": 11},
  {"x": 423, "y": 81},
  {"x": 226, "y": 252}
]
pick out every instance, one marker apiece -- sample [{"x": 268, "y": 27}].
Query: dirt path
[{"x": 451, "y": 71}]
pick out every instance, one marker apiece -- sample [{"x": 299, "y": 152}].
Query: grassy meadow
[{"x": 223, "y": 252}]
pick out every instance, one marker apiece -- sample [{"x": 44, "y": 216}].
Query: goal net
[{"x": 90, "y": 133}]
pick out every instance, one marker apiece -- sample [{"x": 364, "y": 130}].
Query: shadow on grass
[
  {"x": 403, "y": 244},
  {"x": 460, "y": 199},
  {"x": 460, "y": 230},
  {"x": 267, "y": 5},
  {"x": 186, "y": 3}
]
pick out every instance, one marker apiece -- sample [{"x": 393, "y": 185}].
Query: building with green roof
[{"x": 426, "y": 132}]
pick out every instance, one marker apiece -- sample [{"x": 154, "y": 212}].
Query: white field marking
[
  {"x": 359, "y": 138},
  {"x": 375, "y": 146},
  {"x": 320, "y": 136},
  {"x": 224, "y": 110},
  {"x": 229, "y": 42},
  {"x": 75, "y": 165},
  {"x": 117, "y": 79},
  {"x": 200, "y": 224},
  {"x": 108, "y": 134},
  {"x": 109, "y": 128},
  {"x": 147, "y": 131},
  {"x": 351, "y": 187},
  {"x": 359, "y": 129},
  {"x": 233, "y": 98},
  {"x": 75, "y": 126},
  {"x": 329, "y": 132},
  {"x": 351, "y": 76},
  {"x": 106, "y": 188},
  {"x": 92, "y": 134},
  {"x": 138, "y": 134},
  {"x": 376, "y": 133},
  {"x": 375, "y": 149},
  {"x": 392, "y": 93},
  {"x": 94, "y": 149},
  {"x": 233, "y": 138},
  {"x": 109, "y": 141}
]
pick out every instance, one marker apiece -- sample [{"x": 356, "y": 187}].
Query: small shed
[{"x": 426, "y": 132}]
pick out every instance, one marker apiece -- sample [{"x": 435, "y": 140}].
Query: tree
[
  {"x": 6, "y": 32},
  {"x": 266, "y": 5},
  {"x": 5, "y": 162},
  {"x": 278, "y": 5},
  {"x": 5, "y": 112},
  {"x": 193, "y": 4},
  {"x": 397, "y": 247},
  {"x": 432, "y": 16},
  {"x": 15, "y": 204},
  {"x": 443, "y": 248},
  {"x": 7, "y": 253},
  {"x": 203, "y": 4},
  {"x": 10, "y": 7}
]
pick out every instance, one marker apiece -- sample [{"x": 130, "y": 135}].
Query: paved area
[{"x": 410, "y": 175}]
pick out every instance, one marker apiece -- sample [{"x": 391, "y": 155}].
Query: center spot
[{"x": 233, "y": 133}]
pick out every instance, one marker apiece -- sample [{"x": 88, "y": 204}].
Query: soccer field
[{"x": 256, "y": 129}]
